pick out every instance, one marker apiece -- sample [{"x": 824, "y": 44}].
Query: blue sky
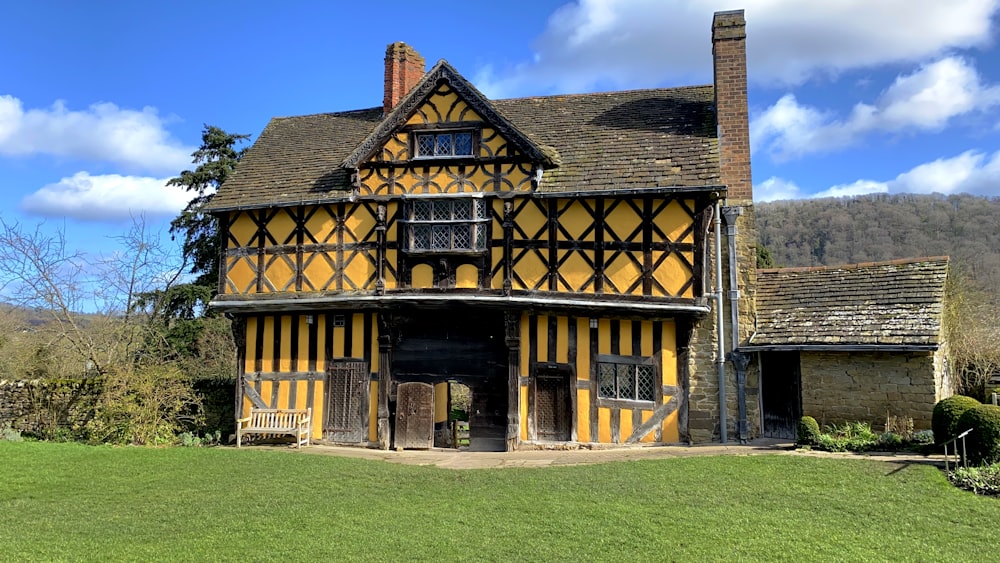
[{"x": 101, "y": 102}]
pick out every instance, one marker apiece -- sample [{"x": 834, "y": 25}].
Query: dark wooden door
[
  {"x": 346, "y": 401},
  {"x": 415, "y": 415},
  {"x": 552, "y": 409},
  {"x": 781, "y": 394}
]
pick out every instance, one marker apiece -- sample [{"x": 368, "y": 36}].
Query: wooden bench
[{"x": 296, "y": 422}]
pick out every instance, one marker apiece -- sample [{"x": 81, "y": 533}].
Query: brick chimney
[
  {"x": 729, "y": 58},
  {"x": 404, "y": 67}
]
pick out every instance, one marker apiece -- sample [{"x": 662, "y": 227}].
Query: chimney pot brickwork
[
  {"x": 729, "y": 61},
  {"x": 404, "y": 67}
]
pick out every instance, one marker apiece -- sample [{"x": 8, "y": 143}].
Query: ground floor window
[{"x": 630, "y": 378}]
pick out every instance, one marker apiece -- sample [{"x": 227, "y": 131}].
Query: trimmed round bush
[
  {"x": 808, "y": 430},
  {"x": 944, "y": 419},
  {"x": 983, "y": 443}
]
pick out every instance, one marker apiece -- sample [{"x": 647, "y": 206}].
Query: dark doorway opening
[
  {"x": 552, "y": 407},
  {"x": 781, "y": 394},
  {"x": 465, "y": 346}
]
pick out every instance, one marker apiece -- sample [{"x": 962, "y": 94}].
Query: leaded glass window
[
  {"x": 456, "y": 143},
  {"x": 447, "y": 225},
  {"x": 628, "y": 378}
]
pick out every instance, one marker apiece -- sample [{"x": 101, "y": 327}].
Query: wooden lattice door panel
[
  {"x": 553, "y": 412},
  {"x": 346, "y": 401},
  {"x": 415, "y": 415}
]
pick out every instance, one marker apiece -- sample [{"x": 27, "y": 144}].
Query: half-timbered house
[{"x": 563, "y": 257}]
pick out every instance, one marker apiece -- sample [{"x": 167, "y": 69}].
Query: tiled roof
[
  {"x": 607, "y": 141},
  {"x": 897, "y": 303}
]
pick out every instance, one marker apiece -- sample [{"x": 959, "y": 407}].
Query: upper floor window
[
  {"x": 626, "y": 377},
  {"x": 447, "y": 224},
  {"x": 454, "y": 143}
]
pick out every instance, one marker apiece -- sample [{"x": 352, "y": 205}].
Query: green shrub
[
  {"x": 808, "y": 431},
  {"x": 983, "y": 443},
  {"x": 890, "y": 441},
  {"x": 944, "y": 419},
  {"x": 9, "y": 434}
]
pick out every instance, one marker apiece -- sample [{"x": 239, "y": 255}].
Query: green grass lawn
[{"x": 74, "y": 502}]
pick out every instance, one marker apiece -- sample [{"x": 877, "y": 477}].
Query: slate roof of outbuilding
[
  {"x": 605, "y": 141},
  {"x": 896, "y": 303}
]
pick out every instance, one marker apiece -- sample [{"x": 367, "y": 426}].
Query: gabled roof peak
[{"x": 443, "y": 71}]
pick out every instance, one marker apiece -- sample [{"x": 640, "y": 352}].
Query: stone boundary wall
[
  {"x": 39, "y": 406},
  {"x": 857, "y": 386}
]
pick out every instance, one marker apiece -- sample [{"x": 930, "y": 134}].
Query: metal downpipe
[
  {"x": 720, "y": 355},
  {"x": 739, "y": 362}
]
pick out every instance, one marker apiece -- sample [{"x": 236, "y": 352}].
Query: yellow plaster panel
[
  {"x": 491, "y": 143},
  {"x": 668, "y": 353},
  {"x": 530, "y": 269},
  {"x": 302, "y": 355},
  {"x": 338, "y": 342},
  {"x": 672, "y": 274},
  {"x": 396, "y": 148},
  {"x": 625, "y": 338},
  {"x": 583, "y": 349},
  {"x": 321, "y": 225},
  {"x": 360, "y": 224},
  {"x": 358, "y": 331},
  {"x": 531, "y": 219},
  {"x": 562, "y": 339},
  {"x": 317, "y": 407},
  {"x": 301, "y": 394},
  {"x": 480, "y": 176},
  {"x": 285, "y": 349},
  {"x": 251, "y": 345},
  {"x": 542, "y": 345},
  {"x": 265, "y": 393},
  {"x": 242, "y": 228},
  {"x": 650, "y": 436},
  {"x": 674, "y": 220},
  {"x": 623, "y": 220},
  {"x": 267, "y": 350},
  {"x": 373, "y": 411},
  {"x": 242, "y": 275},
  {"x": 583, "y": 415},
  {"x": 317, "y": 271},
  {"x": 283, "y": 394},
  {"x": 359, "y": 271},
  {"x": 624, "y": 273},
  {"x": 624, "y": 424},
  {"x": 604, "y": 425},
  {"x": 671, "y": 430},
  {"x": 374, "y": 339},
  {"x": 280, "y": 273},
  {"x": 441, "y": 402},
  {"x": 321, "y": 337},
  {"x": 646, "y": 339},
  {"x": 576, "y": 220},
  {"x": 604, "y": 336},
  {"x": 525, "y": 347},
  {"x": 422, "y": 276},
  {"x": 524, "y": 412},
  {"x": 467, "y": 276},
  {"x": 282, "y": 228},
  {"x": 390, "y": 279}
]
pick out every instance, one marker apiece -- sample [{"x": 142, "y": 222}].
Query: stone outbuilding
[{"x": 851, "y": 343}]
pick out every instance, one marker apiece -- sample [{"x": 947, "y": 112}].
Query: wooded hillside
[{"x": 871, "y": 228}]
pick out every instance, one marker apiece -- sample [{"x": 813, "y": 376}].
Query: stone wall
[
  {"x": 702, "y": 350},
  {"x": 39, "y": 407},
  {"x": 855, "y": 386}
]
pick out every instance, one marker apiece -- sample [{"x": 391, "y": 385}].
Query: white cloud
[
  {"x": 641, "y": 43},
  {"x": 970, "y": 172},
  {"x": 102, "y": 132},
  {"x": 106, "y": 198},
  {"x": 925, "y": 100}
]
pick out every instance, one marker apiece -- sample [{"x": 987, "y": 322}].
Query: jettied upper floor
[{"x": 589, "y": 200}]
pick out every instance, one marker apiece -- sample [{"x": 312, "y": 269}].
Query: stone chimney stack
[
  {"x": 404, "y": 67},
  {"x": 729, "y": 58}
]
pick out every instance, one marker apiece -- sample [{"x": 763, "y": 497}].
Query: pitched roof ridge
[
  {"x": 329, "y": 113},
  {"x": 856, "y": 266},
  {"x": 606, "y": 93}
]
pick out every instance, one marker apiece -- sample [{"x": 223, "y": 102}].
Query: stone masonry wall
[
  {"x": 39, "y": 406},
  {"x": 844, "y": 387}
]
